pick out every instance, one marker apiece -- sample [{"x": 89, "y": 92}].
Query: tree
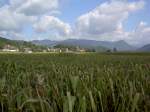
[
  {"x": 108, "y": 51},
  {"x": 114, "y": 49}
]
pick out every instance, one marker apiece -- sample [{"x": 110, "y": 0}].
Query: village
[{"x": 13, "y": 49}]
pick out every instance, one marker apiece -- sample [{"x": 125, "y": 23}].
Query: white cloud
[
  {"x": 34, "y": 7},
  {"x": 12, "y": 21},
  {"x": 141, "y": 35},
  {"x": 138, "y": 37},
  {"x": 20, "y": 14},
  {"x": 52, "y": 25},
  {"x": 106, "y": 18},
  {"x": 13, "y": 35}
]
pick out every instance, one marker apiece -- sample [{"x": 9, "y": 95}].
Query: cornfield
[{"x": 75, "y": 82}]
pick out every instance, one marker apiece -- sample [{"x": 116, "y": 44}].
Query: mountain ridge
[
  {"x": 121, "y": 45},
  {"x": 145, "y": 48}
]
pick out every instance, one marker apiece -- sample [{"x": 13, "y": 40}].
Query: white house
[
  {"x": 9, "y": 48},
  {"x": 27, "y": 50}
]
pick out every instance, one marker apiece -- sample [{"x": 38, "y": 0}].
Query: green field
[{"x": 75, "y": 82}]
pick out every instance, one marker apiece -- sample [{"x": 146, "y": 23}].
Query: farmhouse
[
  {"x": 9, "y": 48},
  {"x": 28, "y": 50},
  {"x": 78, "y": 49},
  {"x": 54, "y": 50}
]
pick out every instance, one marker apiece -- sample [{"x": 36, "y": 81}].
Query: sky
[{"x": 109, "y": 20}]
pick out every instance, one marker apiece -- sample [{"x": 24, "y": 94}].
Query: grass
[{"x": 90, "y": 82}]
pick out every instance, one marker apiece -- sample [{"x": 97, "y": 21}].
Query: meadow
[{"x": 90, "y": 82}]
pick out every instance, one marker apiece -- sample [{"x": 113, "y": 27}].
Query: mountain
[
  {"x": 119, "y": 45},
  {"x": 88, "y": 44},
  {"x": 44, "y": 42},
  {"x": 145, "y": 48},
  {"x": 19, "y": 44}
]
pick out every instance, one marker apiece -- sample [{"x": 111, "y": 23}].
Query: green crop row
[{"x": 75, "y": 82}]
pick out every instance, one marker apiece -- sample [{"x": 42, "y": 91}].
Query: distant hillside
[
  {"x": 48, "y": 43},
  {"x": 103, "y": 45},
  {"x": 145, "y": 48},
  {"x": 87, "y": 44},
  {"x": 74, "y": 48},
  {"x": 19, "y": 44},
  {"x": 120, "y": 45}
]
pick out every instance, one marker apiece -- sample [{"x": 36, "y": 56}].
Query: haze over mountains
[
  {"x": 120, "y": 45},
  {"x": 145, "y": 48},
  {"x": 83, "y": 43}
]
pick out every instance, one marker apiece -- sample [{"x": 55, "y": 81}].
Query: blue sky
[
  {"x": 110, "y": 20},
  {"x": 135, "y": 18},
  {"x": 74, "y": 8}
]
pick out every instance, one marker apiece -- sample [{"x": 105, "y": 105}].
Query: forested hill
[{"x": 20, "y": 44}]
